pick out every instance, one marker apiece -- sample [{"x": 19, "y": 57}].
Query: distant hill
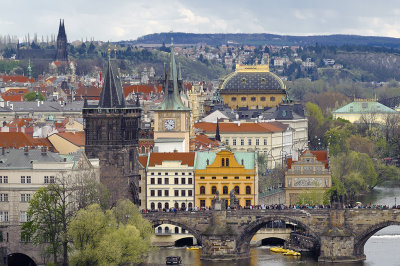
[{"x": 264, "y": 38}]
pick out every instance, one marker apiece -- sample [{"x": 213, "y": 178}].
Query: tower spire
[{"x": 217, "y": 136}]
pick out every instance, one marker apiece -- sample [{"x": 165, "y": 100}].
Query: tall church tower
[
  {"x": 62, "y": 53},
  {"x": 172, "y": 117},
  {"x": 111, "y": 134}
]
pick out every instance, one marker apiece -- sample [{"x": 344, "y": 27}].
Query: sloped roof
[
  {"x": 143, "y": 160},
  {"x": 240, "y": 128},
  {"x": 16, "y": 78},
  {"x": 364, "y": 107},
  {"x": 321, "y": 156},
  {"x": 19, "y": 140},
  {"x": 202, "y": 142},
  {"x": 16, "y": 159},
  {"x": 146, "y": 89},
  {"x": 202, "y": 156},
  {"x": 186, "y": 158},
  {"x": 77, "y": 138}
]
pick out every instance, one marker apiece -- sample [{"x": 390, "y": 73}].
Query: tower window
[
  {"x": 272, "y": 99},
  {"x": 233, "y": 99},
  {"x": 223, "y": 162},
  {"x": 263, "y": 99},
  {"x": 243, "y": 99},
  {"x": 227, "y": 161},
  {"x": 253, "y": 99}
]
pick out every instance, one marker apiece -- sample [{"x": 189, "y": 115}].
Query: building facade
[
  {"x": 226, "y": 171},
  {"x": 308, "y": 175},
  {"x": 22, "y": 173},
  {"x": 170, "y": 180}
]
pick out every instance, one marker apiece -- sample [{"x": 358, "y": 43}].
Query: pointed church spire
[
  {"x": 112, "y": 94},
  {"x": 217, "y": 136},
  {"x": 172, "y": 99}
]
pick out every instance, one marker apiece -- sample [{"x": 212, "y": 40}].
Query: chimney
[
  {"x": 242, "y": 162},
  {"x": 26, "y": 150},
  {"x": 44, "y": 150},
  {"x": 65, "y": 159}
]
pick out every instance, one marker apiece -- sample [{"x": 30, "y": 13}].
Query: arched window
[
  {"x": 248, "y": 190},
  {"x": 166, "y": 230},
  {"x": 176, "y": 230},
  {"x": 166, "y": 205},
  {"x": 190, "y": 205},
  {"x": 202, "y": 190},
  {"x": 176, "y": 205},
  {"x": 213, "y": 190},
  {"x": 151, "y": 148},
  {"x": 183, "y": 205},
  {"x": 143, "y": 149},
  {"x": 225, "y": 190},
  {"x": 237, "y": 191},
  {"x": 223, "y": 162},
  {"x": 159, "y": 205},
  {"x": 159, "y": 229},
  {"x": 227, "y": 161},
  {"x": 152, "y": 206}
]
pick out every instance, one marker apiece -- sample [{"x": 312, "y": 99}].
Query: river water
[{"x": 382, "y": 249}]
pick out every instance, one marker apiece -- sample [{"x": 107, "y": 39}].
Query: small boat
[
  {"x": 173, "y": 260},
  {"x": 278, "y": 250},
  {"x": 192, "y": 248},
  {"x": 292, "y": 253}
]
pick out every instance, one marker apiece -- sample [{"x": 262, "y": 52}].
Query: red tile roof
[
  {"x": 321, "y": 156},
  {"x": 12, "y": 97},
  {"x": 17, "y": 78},
  {"x": 186, "y": 158},
  {"x": 20, "y": 139},
  {"x": 146, "y": 89},
  {"x": 202, "y": 142},
  {"x": 22, "y": 91},
  {"x": 92, "y": 92},
  {"x": 143, "y": 160},
  {"x": 20, "y": 122},
  {"x": 77, "y": 138},
  {"x": 242, "y": 127}
]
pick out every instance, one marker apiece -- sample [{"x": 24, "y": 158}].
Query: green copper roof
[
  {"x": 201, "y": 159},
  {"x": 364, "y": 107},
  {"x": 172, "y": 100}
]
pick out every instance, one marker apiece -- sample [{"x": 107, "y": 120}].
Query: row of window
[
  {"x": 224, "y": 190},
  {"x": 166, "y": 181},
  {"x": 308, "y": 168},
  {"x": 24, "y": 197},
  {"x": 166, "y": 193},
  {"x": 224, "y": 177},
  {"x": 249, "y": 142},
  {"x": 166, "y": 173},
  {"x": 28, "y": 179},
  {"x": 203, "y": 203},
  {"x": 167, "y": 231},
  {"x": 166, "y": 205},
  {"x": 253, "y": 99}
]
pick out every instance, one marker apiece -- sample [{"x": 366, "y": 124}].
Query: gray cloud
[{"x": 129, "y": 19}]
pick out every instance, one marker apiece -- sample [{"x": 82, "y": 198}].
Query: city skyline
[{"x": 128, "y": 20}]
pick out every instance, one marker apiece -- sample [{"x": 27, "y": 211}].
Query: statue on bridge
[{"x": 234, "y": 202}]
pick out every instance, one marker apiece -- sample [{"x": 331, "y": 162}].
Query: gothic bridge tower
[{"x": 111, "y": 134}]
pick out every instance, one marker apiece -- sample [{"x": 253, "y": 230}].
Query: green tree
[
  {"x": 115, "y": 237},
  {"x": 45, "y": 220},
  {"x": 31, "y": 96}
]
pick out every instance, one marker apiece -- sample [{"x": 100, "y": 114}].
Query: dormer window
[{"x": 243, "y": 81}]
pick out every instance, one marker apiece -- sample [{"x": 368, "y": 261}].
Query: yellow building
[
  {"x": 223, "y": 172},
  {"x": 252, "y": 86},
  {"x": 68, "y": 142},
  {"x": 309, "y": 175}
]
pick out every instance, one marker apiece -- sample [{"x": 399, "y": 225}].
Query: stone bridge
[{"x": 226, "y": 234}]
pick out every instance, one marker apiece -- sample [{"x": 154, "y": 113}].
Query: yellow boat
[
  {"x": 292, "y": 253},
  {"x": 192, "y": 248},
  {"x": 278, "y": 250}
]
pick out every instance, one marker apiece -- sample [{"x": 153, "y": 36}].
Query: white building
[{"x": 170, "y": 180}]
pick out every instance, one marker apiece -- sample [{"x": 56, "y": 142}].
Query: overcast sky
[{"x": 128, "y": 19}]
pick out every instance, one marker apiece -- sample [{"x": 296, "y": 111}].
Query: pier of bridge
[{"x": 226, "y": 234}]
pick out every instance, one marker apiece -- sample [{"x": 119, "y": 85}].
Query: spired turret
[{"x": 62, "y": 53}]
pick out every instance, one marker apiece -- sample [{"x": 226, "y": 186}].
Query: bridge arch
[
  {"x": 251, "y": 229},
  {"x": 362, "y": 238},
  {"x": 16, "y": 259},
  {"x": 192, "y": 231}
]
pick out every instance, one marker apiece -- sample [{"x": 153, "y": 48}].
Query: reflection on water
[{"x": 381, "y": 249}]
